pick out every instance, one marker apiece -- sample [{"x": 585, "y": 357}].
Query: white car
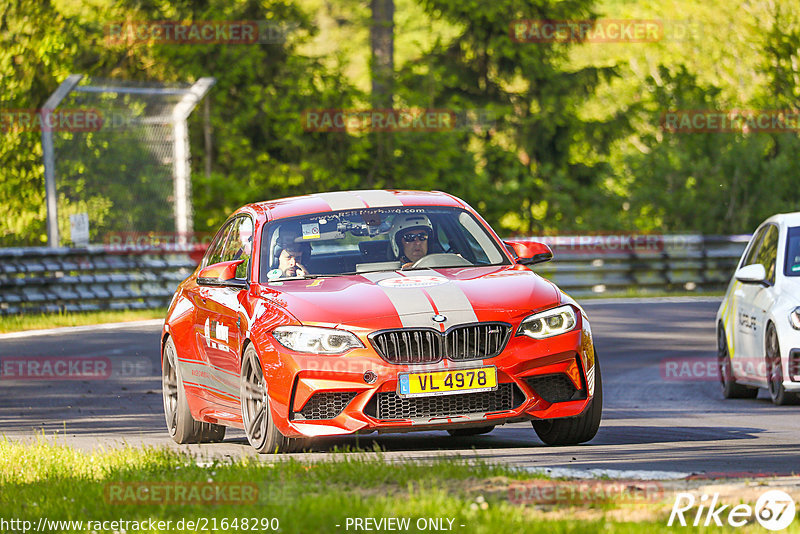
[{"x": 758, "y": 323}]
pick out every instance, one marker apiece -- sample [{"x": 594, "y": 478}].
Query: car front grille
[
  {"x": 390, "y": 405},
  {"x": 426, "y": 345},
  {"x": 325, "y": 405},
  {"x": 555, "y": 388}
]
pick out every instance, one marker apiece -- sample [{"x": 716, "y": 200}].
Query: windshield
[
  {"x": 792, "y": 267},
  {"x": 375, "y": 239}
]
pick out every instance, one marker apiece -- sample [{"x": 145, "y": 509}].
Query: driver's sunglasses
[{"x": 410, "y": 238}]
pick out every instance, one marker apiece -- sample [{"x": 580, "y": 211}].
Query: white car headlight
[
  {"x": 316, "y": 340},
  {"x": 794, "y": 318},
  {"x": 549, "y": 323}
]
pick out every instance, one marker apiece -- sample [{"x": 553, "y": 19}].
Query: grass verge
[
  {"x": 18, "y": 323},
  {"x": 143, "y": 486}
]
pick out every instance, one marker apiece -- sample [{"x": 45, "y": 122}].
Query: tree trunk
[
  {"x": 382, "y": 71},
  {"x": 382, "y": 42}
]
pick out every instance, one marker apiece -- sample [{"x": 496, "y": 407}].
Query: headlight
[
  {"x": 548, "y": 323},
  {"x": 794, "y": 318},
  {"x": 316, "y": 340}
]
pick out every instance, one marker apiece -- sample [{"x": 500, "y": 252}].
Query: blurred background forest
[{"x": 574, "y": 145}]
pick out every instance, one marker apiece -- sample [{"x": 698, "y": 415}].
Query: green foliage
[
  {"x": 539, "y": 166},
  {"x": 573, "y": 142},
  {"x": 718, "y": 183}
]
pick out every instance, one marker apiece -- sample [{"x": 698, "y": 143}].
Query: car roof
[
  {"x": 786, "y": 219},
  {"x": 359, "y": 199}
]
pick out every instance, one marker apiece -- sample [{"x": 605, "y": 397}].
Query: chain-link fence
[{"x": 123, "y": 161}]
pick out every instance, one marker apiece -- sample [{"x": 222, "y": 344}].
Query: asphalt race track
[{"x": 657, "y": 416}]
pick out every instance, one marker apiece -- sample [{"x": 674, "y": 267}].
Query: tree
[{"x": 540, "y": 160}]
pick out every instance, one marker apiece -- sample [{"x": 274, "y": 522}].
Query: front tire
[
  {"x": 181, "y": 425},
  {"x": 778, "y": 394},
  {"x": 574, "y": 430},
  {"x": 730, "y": 389},
  {"x": 261, "y": 431}
]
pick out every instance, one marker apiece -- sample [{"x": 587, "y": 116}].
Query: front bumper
[
  {"x": 789, "y": 343},
  {"x": 329, "y": 396}
]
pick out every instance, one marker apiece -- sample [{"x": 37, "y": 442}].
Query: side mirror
[
  {"x": 752, "y": 274},
  {"x": 530, "y": 252},
  {"x": 221, "y": 275}
]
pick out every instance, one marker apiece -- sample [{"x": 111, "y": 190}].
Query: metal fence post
[
  {"x": 51, "y": 194},
  {"x": 181, "y": 164}
]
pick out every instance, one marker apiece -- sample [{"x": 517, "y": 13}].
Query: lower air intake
[
  {"x": 555, "y": 388},
  {"x": 390, "y": 405},
  {"x": 325, "y": 405}
]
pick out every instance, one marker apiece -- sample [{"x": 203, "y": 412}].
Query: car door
[
  {"x": 754, "y": 301},
  {"x": 742, "y": 357},
  {"x": 763, "y": 298},
  {"x": 197, "y": 375},
  {"x": 225, "y": 321}
]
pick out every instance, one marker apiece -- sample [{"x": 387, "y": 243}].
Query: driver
[
  {"x": 409, "y": 236},
  {"x": 289, "y": 262},
  {"x": 290, "y": 254}
]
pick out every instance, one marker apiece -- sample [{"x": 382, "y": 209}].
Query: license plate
[{"x": 447, "y": 382}]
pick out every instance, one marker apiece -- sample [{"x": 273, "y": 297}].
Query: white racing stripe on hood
[
  {"x": 451, "y": 301},
  {"x": 379, "y": 199},
  {"x": 413, "y": 307},
  {"x": 341, "y": 200}
]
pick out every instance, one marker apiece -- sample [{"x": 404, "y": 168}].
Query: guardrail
[
  {"x": 615, "y": 264},
  {"x": 34, "y": 280}
]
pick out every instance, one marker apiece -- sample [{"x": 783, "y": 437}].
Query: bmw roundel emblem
[{"x": 439, "y": 318}]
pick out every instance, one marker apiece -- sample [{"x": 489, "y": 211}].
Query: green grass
[
  {"x": 17, "y": 323},
  {"x": 60, "y": 483}
]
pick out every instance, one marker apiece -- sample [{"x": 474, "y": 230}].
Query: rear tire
[
  {"x": 778, "y": 394},
  {"x": 181, "y": 425},
  {"x": 259, "y": 427},
  {"x": 464, "y": 432},
  {"x": 574, "y": 430},
  {"x": 730, "y": 389}
]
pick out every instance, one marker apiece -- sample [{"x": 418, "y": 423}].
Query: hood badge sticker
[
  {"x": 412, "y": 282},
  {"x": 439, "y": 318}
]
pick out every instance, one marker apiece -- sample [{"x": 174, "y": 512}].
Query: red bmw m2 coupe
[{"x": 390, "y": 311}]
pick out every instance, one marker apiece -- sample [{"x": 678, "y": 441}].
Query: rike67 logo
[{"x": 774, "y": 510}]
